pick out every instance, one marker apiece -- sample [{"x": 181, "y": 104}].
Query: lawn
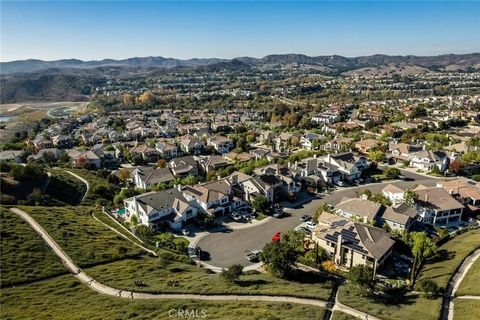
[
  {"x": 156, "y": 273},
  {"x": 466, "y": 309},
  {"x": 338, "y": 315},
  {"x": 65, "y": 188},
  {"x": 470, "y": 285},
  {"x": 24, "y": 255},
  {"x": 66, "y": 298},
  {"x": 451, "y": 256},
  {"x": 395, "y": 308},
  {"x": 84, "y": 239}
]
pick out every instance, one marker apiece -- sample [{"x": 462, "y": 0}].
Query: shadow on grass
[
  {"x": 248, "y": 283},
  {"x": 301, "y": 276},
  {"x": 442, "y": 255}
]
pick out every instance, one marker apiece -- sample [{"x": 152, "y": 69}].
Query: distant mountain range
[
  {"x": 70, "y": 79},
  {"x": 334, "y": 62}
]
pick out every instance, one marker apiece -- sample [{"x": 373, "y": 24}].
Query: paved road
[{"x": 229, "y": 247}]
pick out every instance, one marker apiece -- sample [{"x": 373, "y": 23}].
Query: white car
[{"x": 310, "y": 225}]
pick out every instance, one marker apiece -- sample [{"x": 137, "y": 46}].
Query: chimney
[
  {"x": 315, "y": 156},
  {"x": 278, "y": 168},
  {"x": 338, "y": 250},
  {"x": 179, "y": 187},
  {"x": 296, "y": 164},
  {"x": 424, "y": 147},
  {"x": 219, "y": 177},
  {"x": 365, "y": 219},
  {"x": 426, "y": 198},
  {"x": 329, "y": 158}
]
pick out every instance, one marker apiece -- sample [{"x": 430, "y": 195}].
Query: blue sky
[{"x": 97, "y": 30}]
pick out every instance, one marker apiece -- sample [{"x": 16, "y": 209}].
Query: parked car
[
  {"x": 339, "y": 183},
  {"x": 276, "y": 236},
  {"x": 305, "y": 217},
  {"x": 186, "y": 232},
  {"x": 310, "y": 225},
  {"x": 303, "y": 229},
  {"x": 235, "y": 216},
  {"x": 192, "y": 252},
  {"x": 278, "y": 214},
  {"x": 253, "y": 256}
]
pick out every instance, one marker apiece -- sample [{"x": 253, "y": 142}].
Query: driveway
[{"x": 229, "y": 247}]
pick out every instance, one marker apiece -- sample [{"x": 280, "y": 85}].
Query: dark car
[{"x": 305, "y": 217}]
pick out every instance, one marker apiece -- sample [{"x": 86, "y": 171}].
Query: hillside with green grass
[
  {"x": 84, "y": 239},
  {"x": 24, "y": 255}
]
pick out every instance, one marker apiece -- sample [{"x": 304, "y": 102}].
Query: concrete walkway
[
  {"x": 104, "y": 289},
  {"x": 83, "y": 180},
  {"x": 447, "y": 305}
]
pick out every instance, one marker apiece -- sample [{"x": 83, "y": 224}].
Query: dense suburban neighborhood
[{"x": 358, "y": 195}]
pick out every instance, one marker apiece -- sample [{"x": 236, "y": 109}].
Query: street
[{"x": 230, "y": 247}]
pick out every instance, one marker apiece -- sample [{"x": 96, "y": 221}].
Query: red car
[{"x": 276, "y": 236}]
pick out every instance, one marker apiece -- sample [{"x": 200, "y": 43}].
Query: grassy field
[
  {"x": 84, "y": 239},
  {"x": 466, "y": 309},
  {"x": 470, "y": 285},
  {"x": 452, "y": 254},
  {"x": 338, "y": 315},
  {"x": 66, "y": 298},
  {"x": 396, "y": 308},
  {"x": 24, "y": 256},
  {"x": 155, "y": 274},
  {"x": 65, "y": 188},
  {"x": 96, "y": 183}
]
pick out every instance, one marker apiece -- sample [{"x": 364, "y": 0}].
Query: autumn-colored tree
[
  {"x": 81, "y": 161},
  {"x": 146, "y": 98},
  {"x": 124, "y": 175},
  {"x": 161, "y": 163},
  {"x": 456, "y": 166}
]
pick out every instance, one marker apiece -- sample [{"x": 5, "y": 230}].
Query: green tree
[
  {"x": 260, "y": 204},
  {"x": 233, "y": 273},
  {"x": 422, "y": 248},
  {"x": 392, "y": 172},
  {"x": 410, "y": 197},
  {"x": 361, "y": 276},
  {"x": 279, "y": 258},
  {"x": 376, "y": 155}
]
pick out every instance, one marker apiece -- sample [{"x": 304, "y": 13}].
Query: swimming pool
[{"x": 121, "y": 211}]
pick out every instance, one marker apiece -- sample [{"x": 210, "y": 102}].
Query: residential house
[
  {"x": 167, "y": 150},
  {"x": 184, "y": 166},
  {"x": 82, "y": 158},
  {"x": 350, "y": 244},
  {"x": 11, "y": 155},
  {"x": 42, "y": 143},
  {"x": 147, "y": 153},
  {"x": 220, "y": 143},
  {"x": 158, "y": 209},
  {"x": 191, "y": 144},
  {"x": 393, "y": 193},
  {"x": 310, "y": 141},
  {"x": 358, "y": 209},
  {"x": 62, "y": 141},
  {"x": 426, "y": 160},
  {"x": 364, "y": 146},
  {"x": 437, "y": 207},
  {"x": 146, "y": 177},
  {"x": 463, "y": 190}
]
